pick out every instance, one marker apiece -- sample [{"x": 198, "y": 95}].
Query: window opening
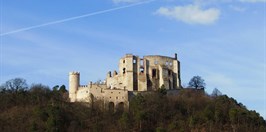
[
  {"x": 141, "y": 62},
  {"x": 155, "y": 62},
  {"x": 169, "y": 72},
  {"x": 170, "y": 84},
  {"x": 141, "y": 69},
  {"x": 124, "y": 70},
  {"x": 153, "y": 73}
]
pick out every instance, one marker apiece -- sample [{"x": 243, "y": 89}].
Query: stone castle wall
[{"x": 135, "y": 74}]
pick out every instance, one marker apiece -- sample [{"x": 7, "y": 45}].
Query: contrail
[{"x": 76, "y": 17}]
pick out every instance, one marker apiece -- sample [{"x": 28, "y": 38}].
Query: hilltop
[{"x": 38, "y": 108}]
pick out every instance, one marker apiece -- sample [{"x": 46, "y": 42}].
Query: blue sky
[{"x": 221, "y": 40}]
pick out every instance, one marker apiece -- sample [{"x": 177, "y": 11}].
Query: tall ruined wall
[
  {"x": 163, "y": 70},
  {"x": 129, "y": 74},
  {"x": 124, "y": 79},
  {"x": 141, "y": 74},
  {"x": 147, "y": 73},
  {"x": 115, "y": 81},
  {"x": 176, "y": 75}
]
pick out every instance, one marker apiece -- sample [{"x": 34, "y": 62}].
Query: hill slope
[{"x": 40, "y": 109}]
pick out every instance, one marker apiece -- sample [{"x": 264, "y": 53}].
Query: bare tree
[
  {"x": 16, "y": 84},
  {"x": 197, "y": 82},
  {"x": 216, "y": 92}
]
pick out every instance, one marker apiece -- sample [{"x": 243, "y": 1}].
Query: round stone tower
[{"x": 73, "y": 85}]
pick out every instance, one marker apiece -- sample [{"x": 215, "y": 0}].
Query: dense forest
[{"x": 40, "y": 108}]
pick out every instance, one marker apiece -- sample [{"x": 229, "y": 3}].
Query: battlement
[
  {"x": 129, "y": 55},
  {"x": 74, "y": 73},
  {"x": 83, "y": 86},
  {"x": 158, "y": 56}
]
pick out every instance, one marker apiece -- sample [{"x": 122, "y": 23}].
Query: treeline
[{"x": 39, "y": 108}]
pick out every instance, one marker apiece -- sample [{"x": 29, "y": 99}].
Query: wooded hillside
[{"x": 38, "y": 108}]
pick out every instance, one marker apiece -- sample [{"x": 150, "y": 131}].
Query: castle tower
[
  {"x": 73, "y": 85},
  {"x": 176, "y": 70},
  {"x": 128, "y": 69}
]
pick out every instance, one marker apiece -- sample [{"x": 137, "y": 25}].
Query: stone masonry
[{"x": 135, "y": 75}]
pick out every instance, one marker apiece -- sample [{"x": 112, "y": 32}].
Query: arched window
[
  {"x": 124, "y": 70},
  {"x": 120, "y": 106}
]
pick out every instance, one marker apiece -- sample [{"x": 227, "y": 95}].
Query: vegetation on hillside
[{"x": 38, "y": 108}]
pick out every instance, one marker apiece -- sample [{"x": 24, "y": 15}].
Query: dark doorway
[
  {"x": 111, "y": 106},
  {"x": 120, "y": 107}
]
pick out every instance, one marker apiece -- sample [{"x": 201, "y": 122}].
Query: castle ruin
[{"x": 135, "y": 75}]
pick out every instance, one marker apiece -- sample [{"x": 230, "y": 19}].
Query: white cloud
[
  {"x": 252, "y": 1},
  {"x": 192, "y": 14}
]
